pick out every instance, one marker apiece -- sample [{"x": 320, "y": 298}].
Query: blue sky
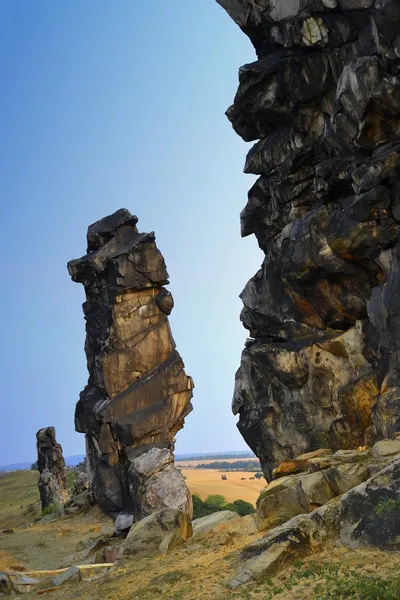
[{"x": 108, "y": 105}]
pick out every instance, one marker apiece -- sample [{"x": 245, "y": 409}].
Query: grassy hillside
[{"x": 19, "y": 498}]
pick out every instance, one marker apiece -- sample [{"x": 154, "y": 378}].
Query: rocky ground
[{"x": 202, "y": 566}]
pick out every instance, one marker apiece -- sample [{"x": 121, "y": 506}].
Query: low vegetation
[
  {"x": 237, "y": 465},
  {"x": 217, "y": 502},
  {"x": 331, "y": 581}
]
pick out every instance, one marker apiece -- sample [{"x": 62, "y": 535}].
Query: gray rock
[
  {"x": 369, "y": 514},
  {"x": 52, "y": 483},
  {"x": 157, "y": 534},
  {"x": 214, "y": 522},
  {"x": 123, "y": 522},
  {"x": 386, "y": 449}
]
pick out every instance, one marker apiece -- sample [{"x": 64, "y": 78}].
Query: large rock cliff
[
  {"x": 322, "y": 103},
  {"x": 138, "y": 394}
]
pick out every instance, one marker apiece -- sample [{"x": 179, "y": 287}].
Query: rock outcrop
[
  {"x": 138, "y": 394},
  {"x": 52, "y": 483},
  {"x": 322, "y": 102}
]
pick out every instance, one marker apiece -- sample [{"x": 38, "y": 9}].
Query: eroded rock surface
[
  {"x": 138, "y": 394},
  {"x": 52, "y": 483},
  {"x": 322, "y": 102}
]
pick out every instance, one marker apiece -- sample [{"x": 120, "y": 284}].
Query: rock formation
[
  {"x": 138, "y": 394},
  {"x": 321, "y": 367},
  {"x": 52, "y": 483}
]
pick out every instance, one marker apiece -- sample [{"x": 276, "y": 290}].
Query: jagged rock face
[
  {"x": 138, "y": 394},
  {"x": 52, "y": 483},
  {"x": 323, "y": 312}
]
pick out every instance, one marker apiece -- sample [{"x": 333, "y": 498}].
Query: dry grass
[
  {"x": 204, "y": 482},
  {"x": 19, "y": 498}
]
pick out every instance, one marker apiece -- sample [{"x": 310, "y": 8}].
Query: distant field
[
  {"x": 207, "y": 481},
  {"x": 207, "y": 461}
]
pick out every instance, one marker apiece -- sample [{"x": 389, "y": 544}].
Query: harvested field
[
  {"x": 207, "y": 461},
  {"x": 208, "y": 481}
]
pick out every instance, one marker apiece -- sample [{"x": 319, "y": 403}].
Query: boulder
[
  {"x": 157, "y": 534},
  {"x": 317, "y": 488},
  {"x": 369, "y": 514},
  {"x": 138, "y": 394},
  {"x": 213, "y": 523},
  {"x": 345, "y": 477},
  {"x": 158, "y": 484},
  {"x": 386, "y": 449},
  {"x": 279, "y": 501}
]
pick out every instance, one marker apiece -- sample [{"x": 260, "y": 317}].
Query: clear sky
[{"x": 109, "y": 105}]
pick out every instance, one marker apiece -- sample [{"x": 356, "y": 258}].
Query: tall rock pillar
[
  {"x": 52, "y": 484},
  {"x": 138, "y": 394},
  {"x": 322, "y": 103}
]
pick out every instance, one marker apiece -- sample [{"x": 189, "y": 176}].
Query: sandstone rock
[
  {"x": 369, "y": 514},
  {"x": 111, "y": 554},
  {"x": 138, "y": 394},
  {"x": 317, "y": 488},
  {"x": 280, "y": 501},
  {"x": 52, "y": 484},
  {"x": 386, "y": 449},
  {"x": 84, "y": 500},
  {"x": 322, "y": 365},
  {"x": 266, "y": 556},
  {"x": 345, "y": 477},
  {"x": 213, "y": 523},
  {"x": 158, "y": 533},
  {"x": 290, "y": 467}
]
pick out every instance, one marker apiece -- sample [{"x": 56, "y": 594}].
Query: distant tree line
[
  {"x": 215, "y": 456},
  {"x": 237, "y": 465},
  {"x": 216, "y": 502}
]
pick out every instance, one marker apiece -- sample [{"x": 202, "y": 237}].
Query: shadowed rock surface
[
  {"x": 52, "y": 483},
  {"x": 138, "y": 394},
  {"x": 322, "y": 103}
]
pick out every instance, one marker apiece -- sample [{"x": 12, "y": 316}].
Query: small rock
[
  {"x": 111, "y": 554},
  {"x": 213, "y": 522},
  {"x": 71, "y": 574},
  {"x": 123, "y": 522},
  {"x": 7, "y": 530}
]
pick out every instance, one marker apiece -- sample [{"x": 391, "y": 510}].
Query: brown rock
[
  {"x": 138, "y": 393},
  {"x": 52, "y": 484}
]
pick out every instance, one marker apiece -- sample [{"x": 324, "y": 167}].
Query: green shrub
[
  {"x": 216, "y": 502},
  {"x": 243, "y": 507},
  {"x": 49, "y": 509}
]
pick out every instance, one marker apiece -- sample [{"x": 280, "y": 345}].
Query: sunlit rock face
[
  {"x": 53, "y": 488},
  {"x": 138, "y": 394},
  {"x": 322, "y": 103}
]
